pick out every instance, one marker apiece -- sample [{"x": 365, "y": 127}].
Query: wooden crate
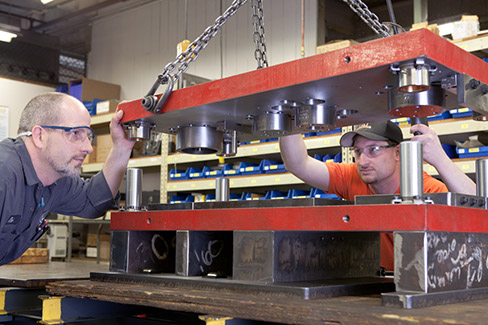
[
  {"x": 33, "y": 256},
  {"x": 334, "y": 45}
]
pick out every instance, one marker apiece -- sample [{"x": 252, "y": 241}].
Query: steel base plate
[
  {"x": 409, "y": 300},
  {"x": 304, "y": 202},
  {"x": 305, "y": 290}
]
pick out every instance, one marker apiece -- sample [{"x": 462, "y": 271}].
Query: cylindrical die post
[
  {"x": 133, "y": 194},
  {"x": 222, "y": 191},
  {"x": 482, "y": 177},
  {"x": 411, "y": 171}
]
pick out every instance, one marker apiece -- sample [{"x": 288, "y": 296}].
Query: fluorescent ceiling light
[
  {"x": 45, "y": 1},
  {"x": 6, "y": 36}
]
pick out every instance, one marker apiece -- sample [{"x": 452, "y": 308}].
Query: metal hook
[{"x": 151, "y": 102}]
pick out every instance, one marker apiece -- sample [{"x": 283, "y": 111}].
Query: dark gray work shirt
[{"x": 25, "y": 202}]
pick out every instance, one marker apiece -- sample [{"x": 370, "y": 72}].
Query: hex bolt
[{"x": 473, "y": 83}]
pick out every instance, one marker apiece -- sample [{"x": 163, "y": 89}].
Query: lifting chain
[
  {"x": 183, "y": 60},
  {"x": 368, "y": 17},
  {"x": 258, "y": 35}
]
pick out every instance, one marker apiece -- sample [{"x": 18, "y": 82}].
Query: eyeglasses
[
  {"x": 76, "y": 134},
  {"x": 370, "y": 152}
]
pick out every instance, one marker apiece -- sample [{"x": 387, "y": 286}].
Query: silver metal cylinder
[
  {"x": 413, "y": 79},
  {"x": 222, "y": 189},
  {"x": 197, "y": 140},
  {"x": 133, "y": 193},
  {"x": 411, "y": 170},
  {"x": 416, "y": 104},
  {"x": 314, "y": 115},
  {"x": 271, "y": 124},
  {"x": 140, "y": 130},
  {"x": 229, "y": 148},
  {"x": 482, "y": 177}
]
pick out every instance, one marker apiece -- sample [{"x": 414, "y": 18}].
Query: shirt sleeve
[
  {"x": 86, "y": 199},
  {"x": 432, "y": 185}
]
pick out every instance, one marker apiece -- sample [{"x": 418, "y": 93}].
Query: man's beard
[{"x": 65, "y": 169}]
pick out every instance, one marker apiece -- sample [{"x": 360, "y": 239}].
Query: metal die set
[{"x": 315, "y": 248}]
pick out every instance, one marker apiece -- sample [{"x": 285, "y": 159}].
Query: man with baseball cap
[{"x": 376, "y": 170}]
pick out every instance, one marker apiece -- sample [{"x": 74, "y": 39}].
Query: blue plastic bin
[
  {"x": 249, "y": 169},
  {"x": 270, "y": 166},
  {"x": 181, "y": 199},
  {"x": 472, "y": 152},
  {"x": 177, "y": 175}
]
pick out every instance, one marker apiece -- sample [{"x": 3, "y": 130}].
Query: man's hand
[
  {"x": 118, "y": 158},
  {"x": 119, "y": 136},
  {"x": 431, "y": 145},
  {"x": 433, "y": 153}
]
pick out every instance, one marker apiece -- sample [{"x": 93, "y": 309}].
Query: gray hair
[{"x": 43, "y": 109}]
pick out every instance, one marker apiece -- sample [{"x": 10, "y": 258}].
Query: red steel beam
[{"x": 406, "y": 217}]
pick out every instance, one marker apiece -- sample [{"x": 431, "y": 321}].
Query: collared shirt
[{"x": 25, "y": 201}]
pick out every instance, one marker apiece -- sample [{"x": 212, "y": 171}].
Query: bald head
[{"x": 44, "y": 109}]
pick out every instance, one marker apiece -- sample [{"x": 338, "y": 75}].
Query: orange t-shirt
[{"x": 344, "y": 181}]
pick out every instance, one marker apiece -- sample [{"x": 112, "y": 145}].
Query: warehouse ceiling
[
  {"x": 66, "y": 24},
  {"x": 60, "y": 24},
  {"x": 54, "y": 38}
]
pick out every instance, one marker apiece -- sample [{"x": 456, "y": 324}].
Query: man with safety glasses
[
  {"x": 376, "y": 167},
  {"x": 40, "y": 170}
]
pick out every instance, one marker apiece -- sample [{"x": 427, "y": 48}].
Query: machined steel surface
[
  {"x": 414, "y": 78},
  {"x": 203, "y": 253},
  {"x": 133, "y": 193},
  {"x": 411, "y": 171},
  {"x": 193, "y": 139},
  {"x": 354, "y": 79},
  {"x": 305, "y": 290},
  {"x": 315, "y": 115},
  {"x": 38, "y": 275},
  {"x": 410, "y": 300},
  {"x": 482, "y": 177},
  {"x": 304, "y": 202},
  {"x": 222, "y": 189},
  {"x": 447, "y": 199},
  {"x": 417, "y": 104},
  {"x": 429, "y": 261},
  {"x": 291, "y": 256},
  {"x": 142, "y": 251}
]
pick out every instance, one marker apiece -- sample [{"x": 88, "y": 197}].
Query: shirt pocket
[{"x": 12, "y": 225}]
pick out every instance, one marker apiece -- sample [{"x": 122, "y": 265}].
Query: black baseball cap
[{"x": 378, "y": 131}]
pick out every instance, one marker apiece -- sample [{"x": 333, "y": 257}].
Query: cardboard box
[
  {"x": 105, "y": 250},
  {"x": 433, "y": 27},
  {"x": 335, "y": 45},
  {"x": 33, "y": 256},
  {"x": 91, "y": 239},
  {"x": 91, "y": 252},
  {"x": 92, "y": 157},
  {"x": 104, "y": 144},
  {"x": 88, "y": 89},
  {"x": 107, "y": 106}
]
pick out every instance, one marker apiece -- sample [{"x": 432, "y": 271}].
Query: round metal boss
[{"x": 199, "y": 140}]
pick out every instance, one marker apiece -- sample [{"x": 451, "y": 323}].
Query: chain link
[
  {"x": 368, "y": 17},
  {"x": 258, "y": 35},
  {"x": 184, "y": 59}
]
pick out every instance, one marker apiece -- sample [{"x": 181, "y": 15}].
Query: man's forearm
[
  {"x": 454, "y": 178},
  {"x": 293, "y": 152},
  {"x": 115, "y": 167}
]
